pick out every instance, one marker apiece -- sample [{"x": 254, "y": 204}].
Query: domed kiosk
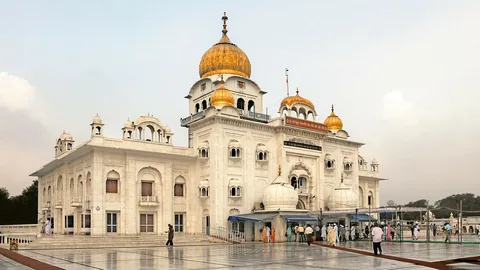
[{"x": 278, "y": 211}]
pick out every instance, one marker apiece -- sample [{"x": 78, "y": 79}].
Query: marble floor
[
  {"x": 247, "y": 256},
  {"x": 7, "y": 264}
]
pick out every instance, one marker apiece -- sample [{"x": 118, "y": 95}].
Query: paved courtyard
[{"x": 248, "y": 256}]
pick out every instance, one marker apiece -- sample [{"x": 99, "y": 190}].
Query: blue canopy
[
  {"x": 293, "y": 218},
  {"x": 252, "y": 217},
  {"x": 363, "y": 218}
]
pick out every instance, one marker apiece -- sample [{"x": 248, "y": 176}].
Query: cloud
[{"x": 15, "y": 92}]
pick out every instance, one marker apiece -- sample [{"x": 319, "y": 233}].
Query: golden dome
[
  {"x": 296, "y": 99},
  {"x": 333, "y": 122},
  {"x": 222, "y": 97},
  {"x": 224, "y": 57}
]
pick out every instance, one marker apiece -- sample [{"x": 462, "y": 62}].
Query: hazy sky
[{"x": 403, "y": 75}]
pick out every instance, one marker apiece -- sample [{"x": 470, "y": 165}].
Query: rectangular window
[
  {"x": 369, "y": 200},
  {"x": 86, "y": 221},
  {"x": 178, "y": 190},
  {"x": 147, "y": 188},
  {"x": 68, "y": 221},
  {"x": 111, "y": 222},
  {"x": 112, "y": 186},
  {"x": 179, "y": 222},
  {"x": 146, "y": 223}
]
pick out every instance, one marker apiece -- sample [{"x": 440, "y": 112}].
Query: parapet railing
[
  {"x": 21, "y": 238},
  {"x": 226, "y": 234}
]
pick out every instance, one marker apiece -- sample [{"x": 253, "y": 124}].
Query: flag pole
[{"x": 286, "y": 75}]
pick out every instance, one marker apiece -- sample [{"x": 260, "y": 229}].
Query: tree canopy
[{"x": 21, "y": 209}]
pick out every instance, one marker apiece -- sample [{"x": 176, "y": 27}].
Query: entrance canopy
[
  {"x": 363, "y": 218},
  {"x": 257, "y": 217},
  {"x": 298, "y": 218}
]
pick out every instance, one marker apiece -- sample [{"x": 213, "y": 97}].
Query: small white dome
[
  {"x": 66, "y": 136},
  {"x": 167, "y": 129},
  {"x": 374, "y": 162},
  {"x": 280, "y": 196},
  {"x": 342, "y": 198},
  {"x": 97, "y": 119},
  {"x": 128, "y": 124}
]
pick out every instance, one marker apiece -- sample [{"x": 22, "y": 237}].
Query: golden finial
[
  {"x": 224, "y": 19},
  {"x": 297, "y": 91},
  {"x": 332, "y": 108},
  {"x": 279, "y": 170}
]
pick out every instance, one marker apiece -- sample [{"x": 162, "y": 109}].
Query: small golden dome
[
  {"x": 296, "y": 99},
  {"x": 222, "y": 97},
  {"x": 333, "y": 122},
  {"x": 224, "y": 58}
]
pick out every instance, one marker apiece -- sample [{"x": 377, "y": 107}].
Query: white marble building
[{"x": 140, "y": 182}]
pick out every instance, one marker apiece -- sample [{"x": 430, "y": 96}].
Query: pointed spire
[
  {"x": 224, "y": 19},
  {"x": 297, "y": 91},
  {"x": 333, "y": 109}
]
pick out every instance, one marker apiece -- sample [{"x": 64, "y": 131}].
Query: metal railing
[
  {"x": 190, "y": 118},
  {"x": 226, "y": 234}
]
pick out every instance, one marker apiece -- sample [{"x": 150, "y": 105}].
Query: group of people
[
  {"x": 268, "y": 234},
  {"x": 302, "y": 234}
]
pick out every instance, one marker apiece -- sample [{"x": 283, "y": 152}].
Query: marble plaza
[{"x": 248, "y": 256}]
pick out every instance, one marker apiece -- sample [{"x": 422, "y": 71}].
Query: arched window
[
  {"x": 69, "y": 146},
  {"x": 329, "y": 162},
  {"x": 98, "y": 130},
  {"x": 251, "y": 106},
  {"x": 302, "y": 183},
  {"x": 149, "y": 132},
  {"x": 204, "y": 105},
  {"x": 72, "y": 188},
  {"x": 294, "y": 182},
  {"x": 139, "y": 133},
  {"x": 159, "y": 134},
  {"x": 260, "y": 156},
  {"x": 59, "y": 188},
  {"x": 112, "y": 182},
  {"x": 302, "y": 113},
  {"x": 294, "y": 112},
  {"x": 80, "y": 187},
  {"x": 241, "y": 104},
  {"x": 129, "y": 134},
  {"x": 234, "y": 149},
  {"x": 204, "y": 189},
  {"x": 197, "y": 108},
  {"x": 179, "y": 188},
  {"x": 235, "y": 188}
]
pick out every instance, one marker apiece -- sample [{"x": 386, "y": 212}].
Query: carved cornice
[{"x": 298, "y": 132}]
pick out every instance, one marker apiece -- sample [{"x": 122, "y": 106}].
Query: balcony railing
[
  {"x": 76, "y": 202},
  {"x": 256, "y": 116},
  {"x": 20, "y": 238},
  {"x": 225, "y": 234},
  {"x": 191, "y": 118},
  {"x": 148, "y": 201}
]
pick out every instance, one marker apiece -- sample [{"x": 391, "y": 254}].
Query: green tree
[
  {"x": 21, "y": 209},
  {"x": 451, "y": 204}
]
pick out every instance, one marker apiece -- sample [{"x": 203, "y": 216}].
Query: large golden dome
[
  {"x": 222, "y": 97},
  {"x": 296, "y": 99},
  {"x": 333, "y": 122},
  {"x": 224, "y": 58}
]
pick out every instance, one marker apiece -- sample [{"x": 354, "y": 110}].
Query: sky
[{"x": 403, "y": 75}]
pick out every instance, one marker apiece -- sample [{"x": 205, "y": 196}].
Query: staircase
[{"x": 84, "y": 242}]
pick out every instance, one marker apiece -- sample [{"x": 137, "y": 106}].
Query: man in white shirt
[
  {"x": 308, "y": 234},
  {"x": 377, "y": 234}
]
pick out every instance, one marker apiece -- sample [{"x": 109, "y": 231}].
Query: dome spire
[
  {"x": 297, "y": 91},
  {"x": 333, "y": 109},
  {"x": 224, "y": 19}
]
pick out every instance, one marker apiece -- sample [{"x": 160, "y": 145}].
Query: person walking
[
  {"x": 331, "y": 235},
  {"x": 308, "y": 234},
  {"x": 353, "y": 233},
  {"x": 170, "y": 235},
  {"x": 416, "y": 230},
  {"x": 289, "y": 233},
  {"x": 377, "y": 234},
  {"x": 323, "y": 234},
  {"x": 301, "y": 233},
  {"x": 448, "y": 232},
  {"x": 48, "y": 227},
  {"x": 335, "y": 229}
]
